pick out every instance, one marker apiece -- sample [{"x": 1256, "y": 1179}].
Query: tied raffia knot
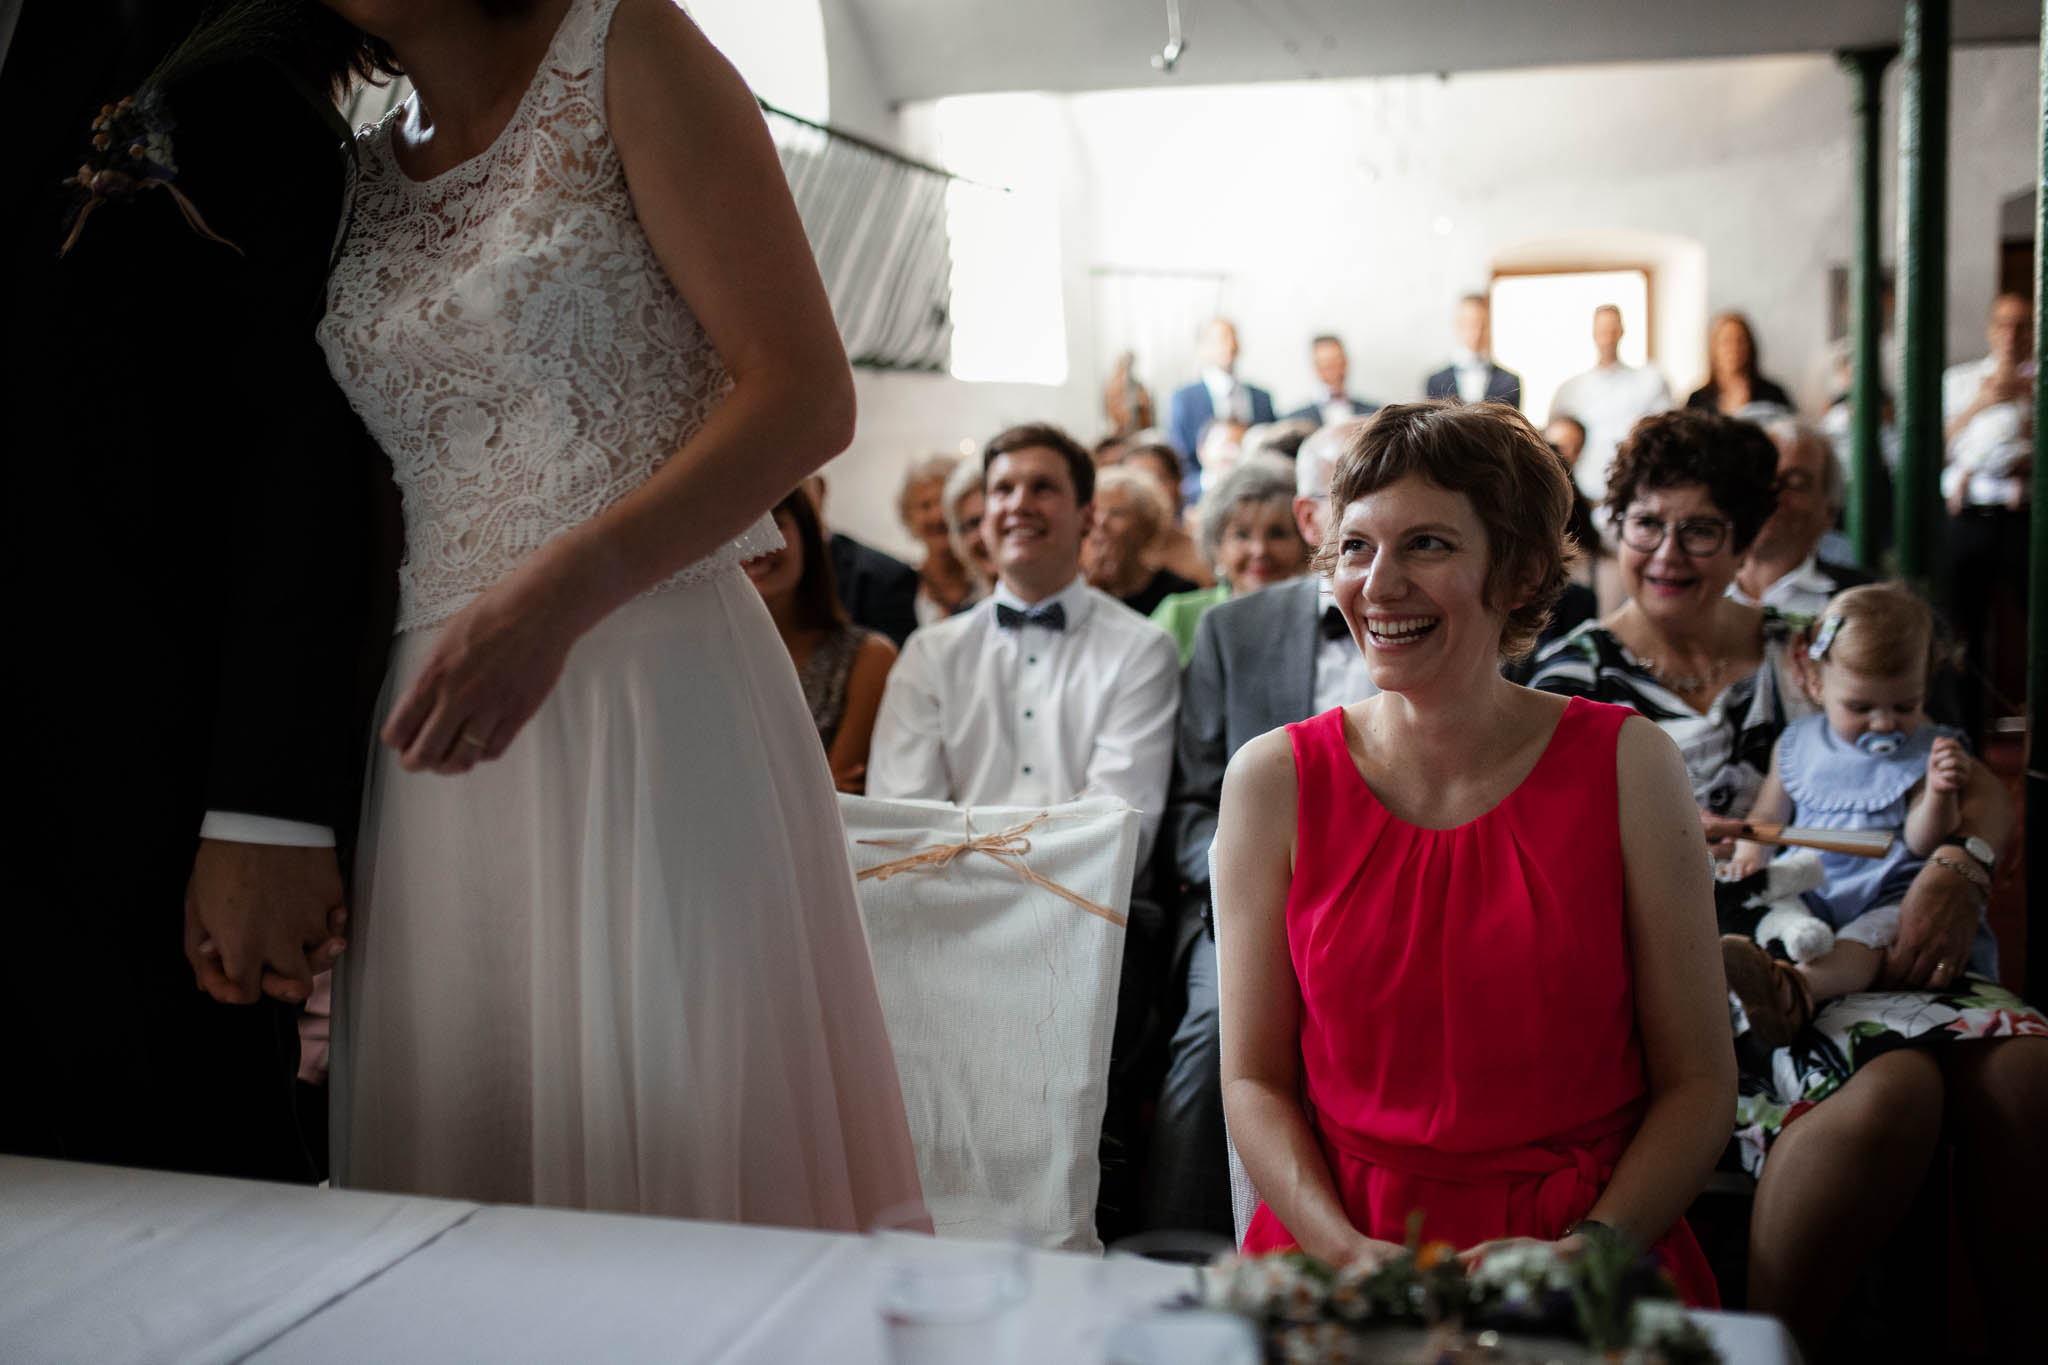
[{"x": 1006, "y": 846}]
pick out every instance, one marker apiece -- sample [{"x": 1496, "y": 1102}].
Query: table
[{"x": 106, "y": 1265}]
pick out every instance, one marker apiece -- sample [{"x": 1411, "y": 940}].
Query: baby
[{"x": 1870, "y": 761}]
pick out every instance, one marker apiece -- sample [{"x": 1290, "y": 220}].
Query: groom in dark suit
[
  {"x": 195, "y": 586},
  {"x": 1260, "y": 661},
  {"x": 1472, "y": 375}
]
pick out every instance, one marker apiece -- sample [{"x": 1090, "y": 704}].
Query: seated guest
[
  {"x": 1218, "y": 449},
  {"x": 944, "y": 583},
  {"x": 879, "y": 591},
  {"x": 1175, "y": 549},
  {"x": 964, "y": 502},
  {"x": 1281, "y": 438},
  {"x": 1332, "y": 403},
  {"x": 1733, "y": 382},
  {"x": 841, "y": 665},
  {"x": 1469, "y": 928},
  {"x": 1472, "y": 377},
  {"x": 1784, "y": 568},
  {"x": 1129, "y": 514},
  {"x": 1218, "y": 395},
  {"x": 1048, "y": 688},
  {"x": 1249, "y": 533},
  {"x": 1839, "y": 1127},
  {"x": 1260, "y": 661}
]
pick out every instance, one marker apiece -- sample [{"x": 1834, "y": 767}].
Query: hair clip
[{"x": 1824, "y": 638}]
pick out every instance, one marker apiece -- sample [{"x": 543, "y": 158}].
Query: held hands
[
  {"x": 1566, "y": 1247},
  {"x": 1747, "y": 860},
  {"x": 491, "y": 667},
  {"x": 1948, "y": 767},
  {"x": 1722, "y": 831},
  {"x": 262, "y": 919}
]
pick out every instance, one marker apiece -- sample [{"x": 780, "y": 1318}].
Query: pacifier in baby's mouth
[{"x": 1879, "y": 743}]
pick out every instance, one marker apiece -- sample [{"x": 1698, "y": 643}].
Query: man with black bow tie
[
  {"x": 1260, "y": 661},
  {"x": 1049, "y": 688}
]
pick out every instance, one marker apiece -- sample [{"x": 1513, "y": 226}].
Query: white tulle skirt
[{"x": 623, "y": 966}]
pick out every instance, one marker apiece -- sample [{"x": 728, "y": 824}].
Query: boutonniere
[{"x": 131, "y": 153}]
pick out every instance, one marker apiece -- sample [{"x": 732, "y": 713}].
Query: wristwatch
[{"x": 1982, "y": 851}]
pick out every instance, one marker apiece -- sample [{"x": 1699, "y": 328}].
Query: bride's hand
[{"x": 492, "y": 666}]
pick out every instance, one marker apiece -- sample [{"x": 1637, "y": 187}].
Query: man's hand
[
  {"x": 258, "y": 919},
  {"x": 1937, "y": 924}
]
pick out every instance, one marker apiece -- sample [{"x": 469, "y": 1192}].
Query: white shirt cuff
[{"x": 237, "y": 827}]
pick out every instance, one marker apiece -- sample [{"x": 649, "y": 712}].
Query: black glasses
[{"x": 1698, "y": 537}]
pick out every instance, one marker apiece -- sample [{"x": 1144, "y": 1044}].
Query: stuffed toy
[{"x": 1767, "y": 906}]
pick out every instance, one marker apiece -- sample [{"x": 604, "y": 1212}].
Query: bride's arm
[{"x": 710, "y": 194}]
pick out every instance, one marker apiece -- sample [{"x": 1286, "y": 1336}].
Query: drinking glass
[{"x": 946, "y": 1300}]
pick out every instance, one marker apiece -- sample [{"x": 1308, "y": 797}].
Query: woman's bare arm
[
  {"x": 1261, "y": 1004},
  {"x": 1681, "y": 993},
  {"x": 849, "y": 753}
]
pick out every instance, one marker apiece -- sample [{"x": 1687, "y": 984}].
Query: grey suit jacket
[{"x": 1253, "y": 669}]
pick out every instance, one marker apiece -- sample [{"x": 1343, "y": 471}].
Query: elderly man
[
  {"x": 1261, "y": 660},
  {"x": 1217, "y": 396},
  {"x": 1784, "y": 568},
  {"x": 1130, "y": 513}
]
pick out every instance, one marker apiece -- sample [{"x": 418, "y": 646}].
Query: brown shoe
[{"x": 1773, "y": 993}]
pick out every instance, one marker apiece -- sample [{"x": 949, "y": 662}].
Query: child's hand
[
  {"x": 1947, "y": 766},
  {"x": 1747, "y": 860}
]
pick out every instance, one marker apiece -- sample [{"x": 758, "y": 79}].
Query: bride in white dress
[{"x": 606, "y": 951}]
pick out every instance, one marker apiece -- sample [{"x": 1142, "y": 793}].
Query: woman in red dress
[{"x": 1468, "y": 951}]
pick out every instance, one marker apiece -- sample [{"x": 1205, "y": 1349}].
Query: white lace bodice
[{"x": 507, "y": 335}]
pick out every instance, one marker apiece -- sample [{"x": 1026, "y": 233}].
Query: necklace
[{"x": 1687, "y": 682}]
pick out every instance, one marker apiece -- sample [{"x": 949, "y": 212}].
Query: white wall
[{"x": 1366, "y": 207}]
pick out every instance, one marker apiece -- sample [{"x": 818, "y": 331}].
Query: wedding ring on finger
[{"x": 472, "y": 741}]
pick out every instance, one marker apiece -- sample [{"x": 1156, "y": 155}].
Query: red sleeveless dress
[{"x": 1468, "y": 1032}]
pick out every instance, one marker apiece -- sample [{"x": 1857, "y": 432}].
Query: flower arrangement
[
  {"x": 1612, "y": 1297},
  {"x": 131, "y": 152}
]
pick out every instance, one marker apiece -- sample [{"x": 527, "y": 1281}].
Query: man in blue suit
[
  {"x": 1472, "y": 375},
  {"x": 1217, "y": 394}
]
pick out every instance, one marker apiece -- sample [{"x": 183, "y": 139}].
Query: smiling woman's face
[
  {"x": 1410, "y": 579},
  {"x": 1667, "y": 583}
]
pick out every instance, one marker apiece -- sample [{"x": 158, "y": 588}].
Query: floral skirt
[{"x": 1779, "y": 1085}]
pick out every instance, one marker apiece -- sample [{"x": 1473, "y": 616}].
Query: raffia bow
[{"x": 1007, "y": 847}]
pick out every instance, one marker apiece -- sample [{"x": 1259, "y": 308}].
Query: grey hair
[
  {"x": 930, "y": 469},
  {"x": 1254, "y": 483},
  {"x": 1317, "y": 459},
  {"x": 1145, "y": 496},
  {"x": 965, "y": 478},
  {"x": 1790, "y": 432}
]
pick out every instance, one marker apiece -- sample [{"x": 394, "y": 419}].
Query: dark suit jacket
[
  {"x": 1253, "y": 668},
  {"x": 1314, "y": 411},
  {"x": 1502, "y": 386},
  {"x": 1188, "y": 412},
  {"x": 878, "y": 591},
  {"x": 194, "y": 573}
]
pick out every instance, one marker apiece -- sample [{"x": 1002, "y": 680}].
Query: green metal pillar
[
  {"x": 2037, "y": 592},
  {"x": 1866, "y": 65},
  {"x": 1923, "y": 269}
]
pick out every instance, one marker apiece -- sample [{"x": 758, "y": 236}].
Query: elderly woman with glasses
[{"x": 1853, "y": 1111}]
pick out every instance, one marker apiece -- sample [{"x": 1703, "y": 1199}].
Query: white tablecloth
[{"x": 113, "y": 1266}]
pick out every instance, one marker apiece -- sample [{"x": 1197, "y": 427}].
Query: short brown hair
[
  {"x": 1734, "y": 460},
  {"x": 1885, "y": 631},
  {"x": 1516, "y": 483},
  {"x": 1080, "y": 464}
]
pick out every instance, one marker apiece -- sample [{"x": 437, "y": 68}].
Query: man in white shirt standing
[
  {"x": 1987, "y": 409},
  {"x": 1472, "y": 376},
  {"x": 1049, "y": 688},
  {"x": 1607, "y": 400}
]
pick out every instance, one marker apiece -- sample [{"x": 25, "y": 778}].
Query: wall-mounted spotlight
[{"x": 1168, "y": 57}]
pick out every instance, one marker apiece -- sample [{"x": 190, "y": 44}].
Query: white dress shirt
[
  {"x": 1472, "y": 371},
  {"x": 1333, "y": 406},
  {"x": 1227, "y": 397},
  {"x": 1342, "y": 676},
  {"x": 1608, "y": 400},
  {"x": 1802, "y": 592},
  {"x": 979, "y": 715},
  {"x": 1984, "y": 454}
]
